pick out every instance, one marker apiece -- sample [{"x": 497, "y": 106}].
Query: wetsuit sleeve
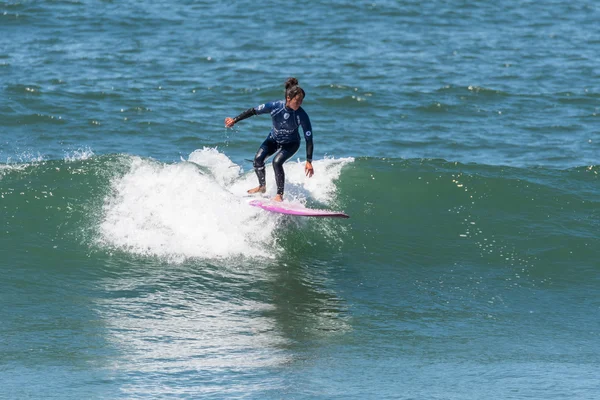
[
  {"x": 262, "y": 109},
  {"x": 246, "y": 114},
  {"x": 308, "y": 134}
]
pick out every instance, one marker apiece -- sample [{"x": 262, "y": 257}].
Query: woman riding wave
[{"x": 284, "y": 137}]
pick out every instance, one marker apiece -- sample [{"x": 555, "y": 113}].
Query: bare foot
[
  {"x": 259, "y": 189},
  {"x": 279, "y": 197}
]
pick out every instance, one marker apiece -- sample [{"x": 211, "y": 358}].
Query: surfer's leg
[
  {"x": 287, "y": 151},
  {"x": 268, "y": 148}
]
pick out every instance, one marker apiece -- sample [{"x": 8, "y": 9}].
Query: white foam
[
  {"x": 80, "y": 154},
  {"x": 299, "y": 187},
  {"x": 199, "y": 208},
  {"x": 321, "y": 186},
  {"x": 25, "y": 160},
  {"x": 4, "y": 169},
  {"x": 221, "y": 167}
]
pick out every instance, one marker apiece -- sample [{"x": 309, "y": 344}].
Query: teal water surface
[{"x": 461, "y": 138}]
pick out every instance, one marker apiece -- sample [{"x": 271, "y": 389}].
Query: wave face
[
  {"x": 197, "y": 208},
  {"x": 443, "y": 254}
]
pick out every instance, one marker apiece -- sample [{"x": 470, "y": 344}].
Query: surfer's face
[{"x": 296, "y": 102}]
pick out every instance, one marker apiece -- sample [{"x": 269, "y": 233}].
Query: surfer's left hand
[{"x": 308, "y": 168}]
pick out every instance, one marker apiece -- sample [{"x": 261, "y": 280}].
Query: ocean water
[{"x": 461, "y": 137}]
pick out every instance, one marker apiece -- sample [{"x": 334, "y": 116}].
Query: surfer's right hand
[{"x": 229, "y": 122}]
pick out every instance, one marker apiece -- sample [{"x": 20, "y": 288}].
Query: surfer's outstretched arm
[
  {"x": 262, "y": 109},
  {"x": 229, "y": 122}
]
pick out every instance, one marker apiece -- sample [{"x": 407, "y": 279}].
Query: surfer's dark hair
[{"x": 292, "y": 89}]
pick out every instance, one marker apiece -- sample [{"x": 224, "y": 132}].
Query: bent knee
[{"x": 278, "y": 163}]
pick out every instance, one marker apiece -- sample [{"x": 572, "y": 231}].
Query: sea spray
[{"x": 198, "y": 208}]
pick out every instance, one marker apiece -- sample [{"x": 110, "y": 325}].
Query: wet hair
[{"x": 292, "y": 89}]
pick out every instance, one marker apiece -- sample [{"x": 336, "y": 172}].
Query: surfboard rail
[{"x": 295, "y": 209}]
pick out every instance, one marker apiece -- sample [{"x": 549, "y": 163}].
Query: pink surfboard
[{"x": 295, "y": 209}]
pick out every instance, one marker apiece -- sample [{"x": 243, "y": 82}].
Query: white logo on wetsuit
[
  {"x": 286, "y": 116},
  {"x": 260, "y": 107},
  {"x": 308, "y": 133}
]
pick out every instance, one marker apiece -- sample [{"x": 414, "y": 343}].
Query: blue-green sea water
[{"x": 462, "y": 138}]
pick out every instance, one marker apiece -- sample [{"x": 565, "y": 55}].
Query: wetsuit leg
[
  {"x": 287, "y": 150},
  {"x": 267, "y": 149}
]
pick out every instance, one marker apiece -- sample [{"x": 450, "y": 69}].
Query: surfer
[{"x": 284, "y": 137}]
